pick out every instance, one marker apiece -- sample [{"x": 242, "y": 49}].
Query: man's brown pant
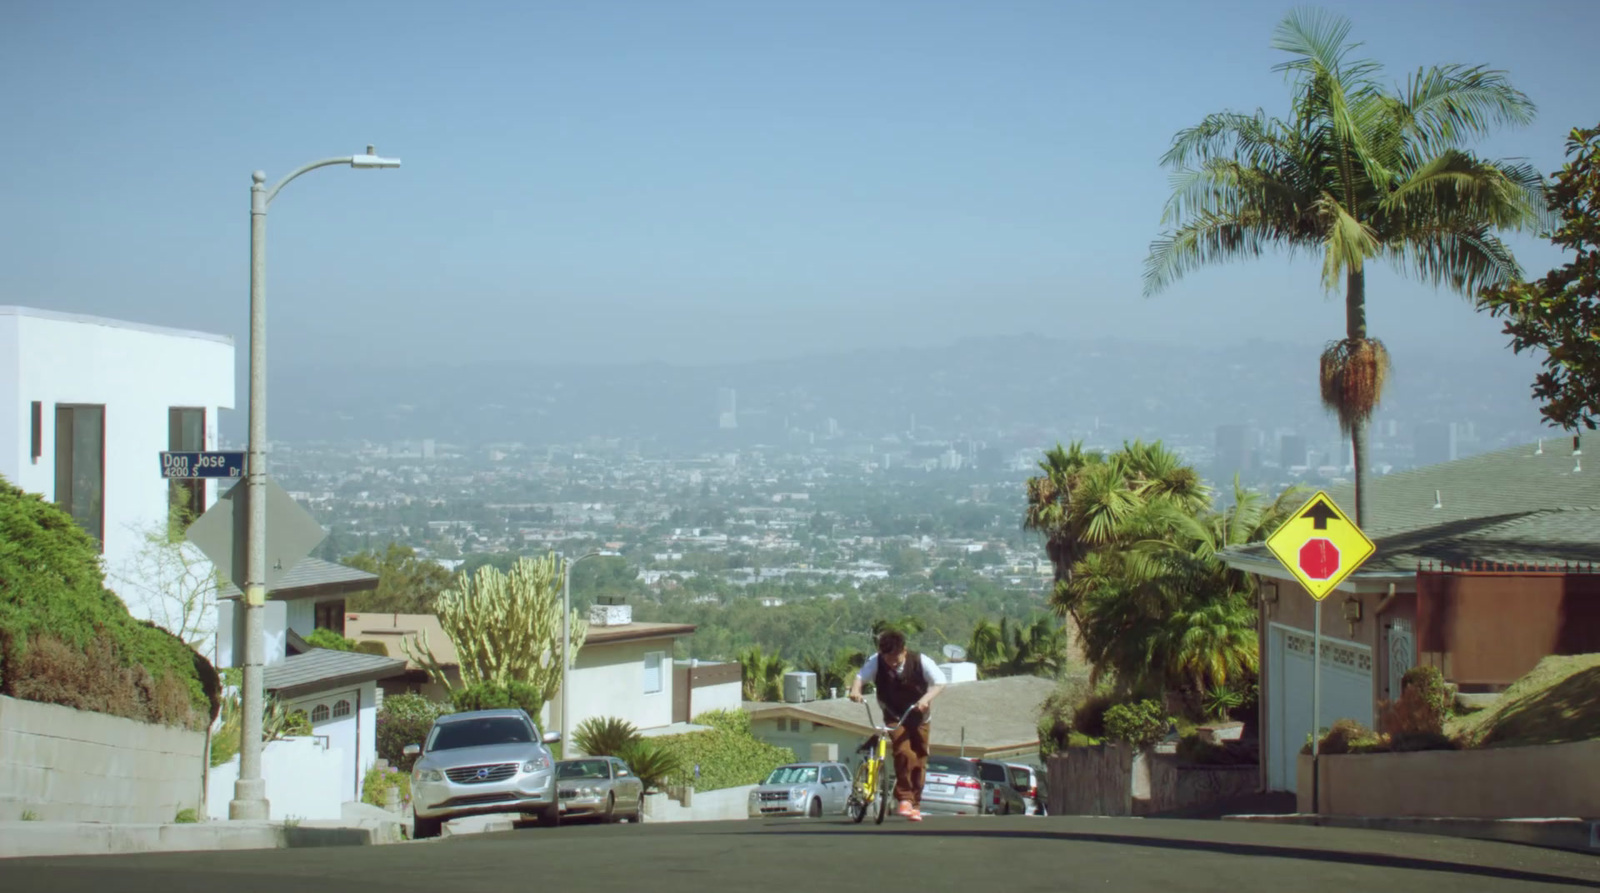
[{"x": 910, "y": 762}]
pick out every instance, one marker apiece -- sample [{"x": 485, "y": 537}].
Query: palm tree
[
  {"x": 762, "y": 674},
  {"x": 1356, "y": 173}
]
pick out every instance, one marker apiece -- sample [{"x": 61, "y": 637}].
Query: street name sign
[
  {"x": 202, "y": 465},
  {"x": 221, "y": 533},
  {"x": 1320, "y": 546}
]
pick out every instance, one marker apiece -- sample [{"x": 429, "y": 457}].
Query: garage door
[
  {"x": 1346, "y": 694},
  {"x": 335, "y": 715}
]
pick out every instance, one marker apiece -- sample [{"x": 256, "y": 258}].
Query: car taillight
[
  {"x": 970, "y": 783},
  {"x": 1033, "y": 793}
]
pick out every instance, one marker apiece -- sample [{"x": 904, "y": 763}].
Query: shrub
[
  {"x": 185, "y": 817},
  {"x": 1422, "y": 707},
  {"x": 653, "y": 764},
  {"x": 379, "y": 780},
  {"x": 52, "y": 589},
  {"x": 488, "y": 696},
  {"x": 1349, "y": 736},
  {"x": 728, "y": 754},
  {"x": 1089, "y": 719},
  {"x": 1056, "y": 715},
  {"x": 402, "y": 720},
  {"x": 1140, "y": 724},
  {"x": 327, "y": 638},
  {"x": 604, "y": 736}
]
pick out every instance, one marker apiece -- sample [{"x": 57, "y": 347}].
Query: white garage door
[
  {"x": 1346, "y": 694},
  {"x": 335, "y": 715}
]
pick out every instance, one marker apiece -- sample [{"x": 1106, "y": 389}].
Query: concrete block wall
[
  {"x": 67, "y": 765},
  {"x": 709, "y": 806}
]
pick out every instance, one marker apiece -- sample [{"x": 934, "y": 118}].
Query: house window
[
  {"x": 652, "y": 671},
  {"x": 81, "y": 466},
  {"x": 186, "y": 432},
  {"x": 341, "y": 708},
  {"x": 319, "y": 713},
  {"x": 330, "y": 615}
]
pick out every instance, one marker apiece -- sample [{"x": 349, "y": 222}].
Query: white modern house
[{"x": 87, "y": 404}]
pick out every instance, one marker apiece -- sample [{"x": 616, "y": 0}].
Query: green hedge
[
  {"x": 402, "y": 720},
  {"x": 729, "y": 756},
  {"x": 52, "y": 588}
]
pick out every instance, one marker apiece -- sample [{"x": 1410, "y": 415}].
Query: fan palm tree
[
  {"x": 762, "y": 674},
  {"x": 1356, "y": 173}
]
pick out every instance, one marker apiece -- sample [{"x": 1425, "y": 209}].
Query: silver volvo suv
[{"x": 482, "y": 762}]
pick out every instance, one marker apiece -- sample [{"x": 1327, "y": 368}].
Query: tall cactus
[{"x": 505, "y": 627}]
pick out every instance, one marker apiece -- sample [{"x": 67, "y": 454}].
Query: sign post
[{"x": 1320, "y": 546}]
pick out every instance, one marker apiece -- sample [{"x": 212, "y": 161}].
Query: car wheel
[
  {"x": 816, "y": 808},
  {"x": 550, "y": 817},
  {"x": 423, "y": 829}
]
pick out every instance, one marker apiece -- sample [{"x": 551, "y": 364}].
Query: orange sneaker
[
  {"x": 915, "y": 816},
  {"x": 905, "y": 808}
]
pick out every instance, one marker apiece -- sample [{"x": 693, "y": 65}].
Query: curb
[
  {"x": 1577, "y": 835},
  {"x": 25, "y": 839}
]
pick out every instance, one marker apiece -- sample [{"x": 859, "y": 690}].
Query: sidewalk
[
  {"x": 1579, "y": 835},
  {"x": 362, "y": 825}
]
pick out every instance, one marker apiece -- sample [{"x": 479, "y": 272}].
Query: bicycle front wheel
[
  {"x": 883, "y": 797},
  {"x": 860, "y": 792}
]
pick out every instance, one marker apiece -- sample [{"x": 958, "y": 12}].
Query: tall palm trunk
[{"x": 1355, "y": 322}]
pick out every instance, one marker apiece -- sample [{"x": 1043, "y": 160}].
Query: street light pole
[
  {"x": 566, "y": 639},
  {"x": 250, "y": 790}
]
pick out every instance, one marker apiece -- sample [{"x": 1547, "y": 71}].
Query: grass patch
[{"x": 1558, "y": 702}]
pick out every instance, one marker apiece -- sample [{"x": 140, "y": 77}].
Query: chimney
[{"x": 604, "y": 613}]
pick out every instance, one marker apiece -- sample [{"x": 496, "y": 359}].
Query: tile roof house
[{"x": 1481, "y": 568}]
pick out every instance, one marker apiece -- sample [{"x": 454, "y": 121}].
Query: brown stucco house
[{"x": 1483, "y": 566}]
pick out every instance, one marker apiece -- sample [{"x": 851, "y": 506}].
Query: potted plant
[{"x": 1218, "y": 704}]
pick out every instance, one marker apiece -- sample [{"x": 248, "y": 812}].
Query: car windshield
[
  {"x": 480, "y": 733},
  {"x": 582, "y": 769},
  {"x": 952, "y": 766},
  {"x": 793, "y": 775}
]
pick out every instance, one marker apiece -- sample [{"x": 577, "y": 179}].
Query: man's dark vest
[{"x": 896, "y": 694}]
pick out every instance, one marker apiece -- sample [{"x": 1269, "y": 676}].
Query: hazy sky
[{"x": 686, "y": 181}]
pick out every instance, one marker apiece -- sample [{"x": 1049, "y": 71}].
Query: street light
[
  {"x": 250, "y": 791},
  {"x": 566, "y": 638}
]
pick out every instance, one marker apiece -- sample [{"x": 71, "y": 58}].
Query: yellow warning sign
[{"x": 1320, "y": 545}]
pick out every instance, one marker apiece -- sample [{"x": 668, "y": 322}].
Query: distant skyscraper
[
  {"x": 727, "y": 408},
  {"x": 427, "y": 449},
  {"x": 1434, "y": 442},
  {"x": 833, "y": 427},
  {"x": 1233, "y": 452},
  {"x": 1292, "y": 450}
]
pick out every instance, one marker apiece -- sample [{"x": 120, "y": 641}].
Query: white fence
[{"x": 304, "y": 780}]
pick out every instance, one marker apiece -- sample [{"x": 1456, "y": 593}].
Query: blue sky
[{"x": 687, "y": 181}]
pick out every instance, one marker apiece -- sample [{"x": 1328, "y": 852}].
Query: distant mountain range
[{"x": 1026, "y": 389}]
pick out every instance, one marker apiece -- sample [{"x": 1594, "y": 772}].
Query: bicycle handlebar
[{"x": 886, "y": 729}]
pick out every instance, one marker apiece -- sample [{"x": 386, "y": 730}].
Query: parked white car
[
  {"x": 481, "y": 762},
  {"x": 810, "y": 789}
]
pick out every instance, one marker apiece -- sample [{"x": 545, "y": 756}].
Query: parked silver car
[
  {"x": 1030, "y": 783},
  {"x": 599, "y": 787},
  {"x": 811, "y": 789},
  {"x": 954, "y": 786},
  {"x": 482, "y": 762}
]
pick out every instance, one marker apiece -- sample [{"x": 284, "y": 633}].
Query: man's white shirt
[{"x": 935, "y": 676}]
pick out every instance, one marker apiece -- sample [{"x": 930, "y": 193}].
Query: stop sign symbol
[{"x": 1319, "y": 559}]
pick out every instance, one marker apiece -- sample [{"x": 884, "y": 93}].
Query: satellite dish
[{"x": 955, "y": 652}]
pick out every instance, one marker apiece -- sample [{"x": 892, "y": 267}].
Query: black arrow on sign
[{"x": 1319, "y": 515}]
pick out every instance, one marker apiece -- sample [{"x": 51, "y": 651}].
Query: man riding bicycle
[{"x": 904, "y": 680}]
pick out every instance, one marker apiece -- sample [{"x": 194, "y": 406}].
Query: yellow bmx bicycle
[{"x": 871, "y": 785}]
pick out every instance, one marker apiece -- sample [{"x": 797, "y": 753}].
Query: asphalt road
[{"x": 1013, "y": 854}]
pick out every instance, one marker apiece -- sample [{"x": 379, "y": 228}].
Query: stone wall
[
  {"x": 1557, "y": 780},
  {"x": 704, "y": 806},
  {"x": 67, "y": 765},
  {"x": 1112, "y": 780}
]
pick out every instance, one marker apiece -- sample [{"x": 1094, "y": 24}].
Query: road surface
[{"x": 1017, "y": 854}]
